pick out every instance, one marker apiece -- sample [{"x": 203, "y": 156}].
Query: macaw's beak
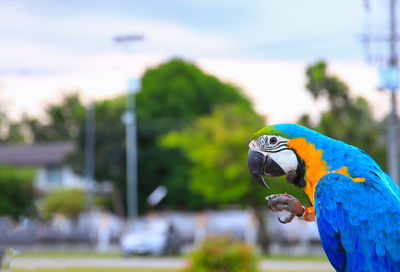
[{"x": 260, "y": 164}]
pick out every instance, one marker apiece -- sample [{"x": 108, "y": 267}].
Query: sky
[{"x": 49, "y": 48}]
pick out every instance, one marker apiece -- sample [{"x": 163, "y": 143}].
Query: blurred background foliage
[
  {"x": 17, "y": 194},
  {"x": 68, "y": 202},
  {"x": 193, "y": 131},
  {"x": 61, "y": 121},
  {"x": 347, "y": 118},
  {"x": 214, "y": 144},
  {"x": 222, "y": 254},
  {"x": 172, "y": 97}
]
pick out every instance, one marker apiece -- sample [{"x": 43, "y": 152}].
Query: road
[{"x": 148, "y": 262}]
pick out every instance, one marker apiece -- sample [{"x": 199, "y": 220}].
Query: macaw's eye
[{"x": 273, "y": 140}]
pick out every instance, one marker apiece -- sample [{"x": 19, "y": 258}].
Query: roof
[{"x": 38, "y": 154}]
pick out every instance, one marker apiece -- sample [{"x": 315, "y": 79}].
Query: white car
[{"x": 149, "y": 236}]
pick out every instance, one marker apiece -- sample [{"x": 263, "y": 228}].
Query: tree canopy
[
  {"x": 178, "y": 90},
  {"x": 173, "y": 95},
  {"x": 216, "y": 144}
]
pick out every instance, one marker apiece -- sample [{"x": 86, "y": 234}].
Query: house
[{"x": 49, "y": 161}]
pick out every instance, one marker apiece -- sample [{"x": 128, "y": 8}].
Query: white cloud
[
  {"x": 64, "y": 44},
  {"x": 101, "y": 77},
  {"x": 51, "y": 55}
]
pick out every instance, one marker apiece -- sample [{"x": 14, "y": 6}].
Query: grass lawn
[
  {"x": 67, "y": 254},
  {"x": 296, "y": 258},
  {"x": 55, "y": 254}
]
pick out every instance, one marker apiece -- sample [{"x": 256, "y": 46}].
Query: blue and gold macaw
[{"x": 356, "y": 205}]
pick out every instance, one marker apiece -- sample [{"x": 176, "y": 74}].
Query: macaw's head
[{"x": 271, "y": 155}]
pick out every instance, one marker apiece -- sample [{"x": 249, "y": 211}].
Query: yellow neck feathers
[{"x": 316, "y": 167}]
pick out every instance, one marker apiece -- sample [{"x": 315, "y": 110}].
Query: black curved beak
[{"x": 260, "y": 164}]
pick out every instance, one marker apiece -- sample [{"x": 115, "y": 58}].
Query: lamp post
[{"x": 129, "y": 119}]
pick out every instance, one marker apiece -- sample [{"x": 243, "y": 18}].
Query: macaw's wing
[{"x": 359, "y": 223}]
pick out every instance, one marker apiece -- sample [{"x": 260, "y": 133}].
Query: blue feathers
[{"x": 358, "y": 224}]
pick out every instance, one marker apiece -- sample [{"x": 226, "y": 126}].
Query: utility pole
[
  {"x": 392, "y": 148},
  {"x": 129, "y": 119},
  {"x": 390, "y": 80},
  {"x": 89, "y": 154}
]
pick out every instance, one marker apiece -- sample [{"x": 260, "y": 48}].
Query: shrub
[
  {"x": 17, "y": 192},
  {"x": 69, "y": 202},
  {"x": 223, "y": 254}
]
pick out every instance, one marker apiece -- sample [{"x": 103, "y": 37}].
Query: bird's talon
[
  {"x": 287, "y": 219},
  {"x": 285, "y": 202}
]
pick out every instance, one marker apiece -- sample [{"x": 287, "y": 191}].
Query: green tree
[
  {"x": 17, "y": 191},
  {"x": 172, "y": 96},
  {"x": 348, "y": 119},
  {"x": 216, "y": 145},
  {"x": 69, "y": 202}
]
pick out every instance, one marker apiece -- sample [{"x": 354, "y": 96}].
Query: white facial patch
[{"x": 286, "y": 159}]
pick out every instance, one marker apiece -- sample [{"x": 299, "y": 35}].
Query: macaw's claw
[
  {"x": 287, "y": 219},
  {"x": 285, "y": 202}
]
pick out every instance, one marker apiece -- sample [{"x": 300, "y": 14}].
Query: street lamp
[{"x": 129, "y": 119}]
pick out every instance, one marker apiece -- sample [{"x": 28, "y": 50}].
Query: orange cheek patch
[{"x": 315, "y": 166}]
